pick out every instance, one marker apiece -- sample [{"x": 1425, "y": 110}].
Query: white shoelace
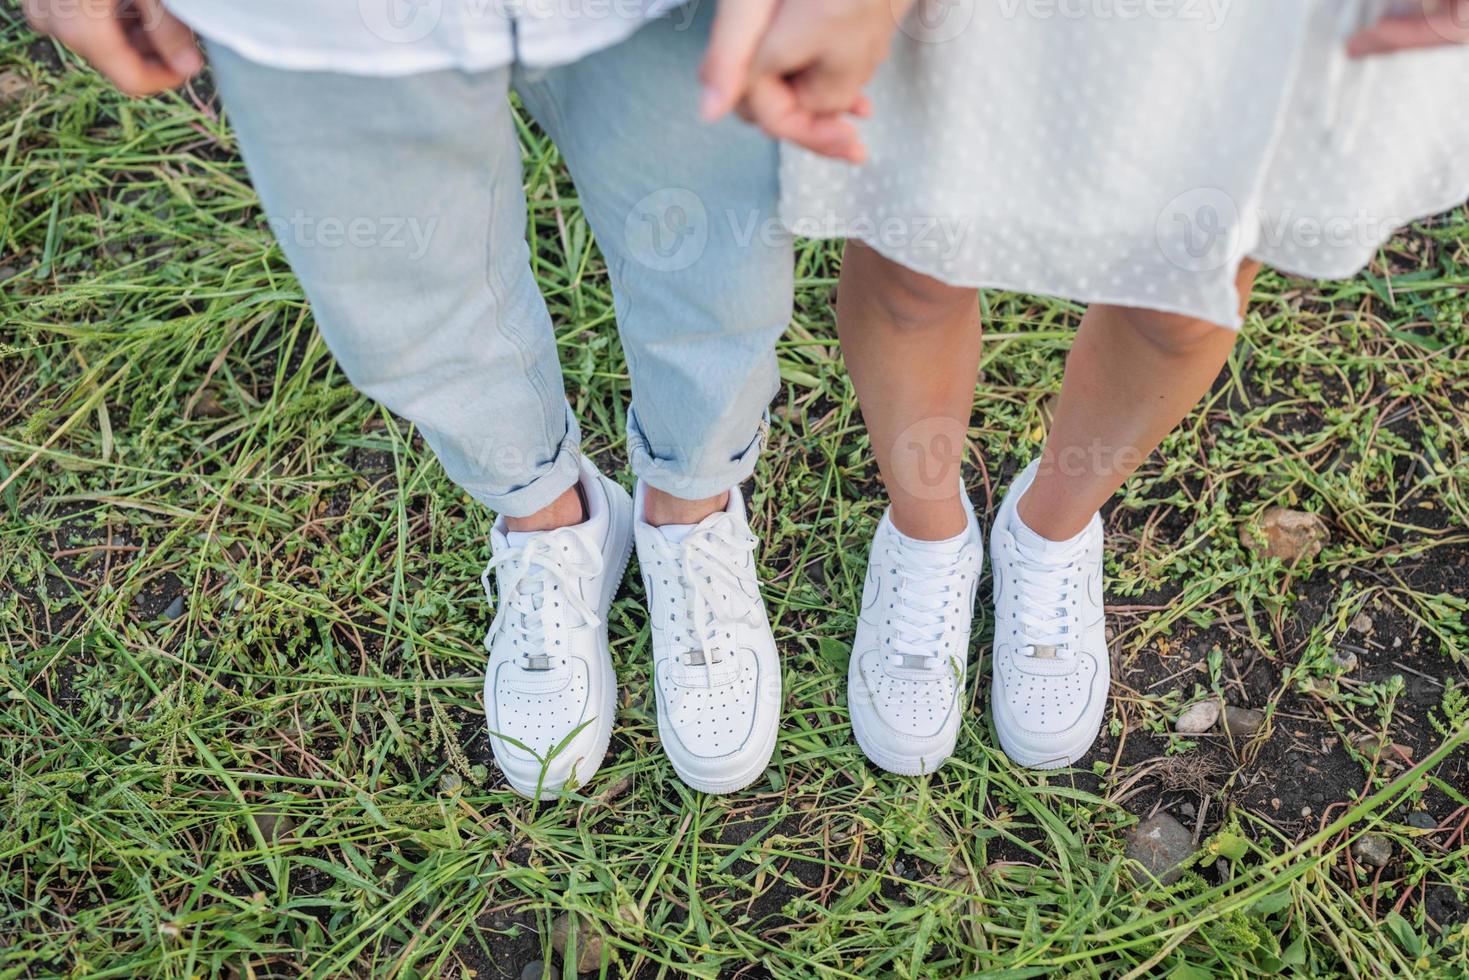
[
  {"x": 713, "y": 567},
  {"x": 1047, "y": 609},
  {"x": 549, "y": 564},
  {"x": 919, "y": 614}
]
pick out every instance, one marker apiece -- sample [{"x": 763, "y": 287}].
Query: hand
[
  {"x": 796, "y": 67},
  {"x": 1440, "y": 22},
  {"x": 139, "y": 46}
]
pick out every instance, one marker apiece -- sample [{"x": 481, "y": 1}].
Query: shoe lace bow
[
  {"x": 540, "y": 597},
  {"x": 713, "y": 571},
  {"x": 1047, "y": 611},
  {"x": 919, "y": 612}
]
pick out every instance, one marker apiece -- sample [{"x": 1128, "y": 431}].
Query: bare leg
[
  {"x": 659, "y": 509},
  {"x": 1132, "y": 375},
  {"x": 564, "y": 511},
  {"x": 911, "y": 345}
]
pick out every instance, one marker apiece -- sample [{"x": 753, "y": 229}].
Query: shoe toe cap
[
  {"x": 710, "y": 722},
  {"x": 716, "y": 735},
  {"x": 910, "y": 709},
  {"x": 531, "y": 730},
  {"x": 1042, "y": 719},
  {"x": 1044, "y": 705}
]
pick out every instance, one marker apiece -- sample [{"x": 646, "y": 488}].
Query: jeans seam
[
  {"x": 502, "y": 324},
  {"x": 616, "y": 264}
]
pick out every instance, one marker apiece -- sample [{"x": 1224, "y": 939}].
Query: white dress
[{"x": 1134, "y": 151}]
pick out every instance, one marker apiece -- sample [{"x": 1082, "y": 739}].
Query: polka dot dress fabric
[{"x": 1135, "y": 151}]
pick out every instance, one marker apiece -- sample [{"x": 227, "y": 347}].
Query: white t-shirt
[{"x": 400, "y": 37}]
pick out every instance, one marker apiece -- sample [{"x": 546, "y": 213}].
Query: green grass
[{"x": 239, "y": 700}]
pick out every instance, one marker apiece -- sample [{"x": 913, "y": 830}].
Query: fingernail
[{"x": 708, "y": 104}]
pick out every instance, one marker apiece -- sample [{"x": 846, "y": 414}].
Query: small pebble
[
  {"x": 1161, "y": 844},
  {"x": 588, "y": 941},
  {"x": 1373, "y": 850},
  {"x": 209, "y": 406},
  {"x": 13, "y": 85},
  {"x": 537, "y": 970},
  {"x": 1286, "y": 534},
  {"x": 174, "y": 609},
  {"x": 1346, "y": 661},
  {"x": 274, "y": 825},
  {"x": 1242, "y": 722},
  {"x": 1362, "y": 623},
  {"x": 1197, "y": 718},
  {"x": 1423, "y": 820}
]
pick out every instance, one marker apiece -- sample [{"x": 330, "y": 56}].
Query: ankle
[
  {"x": 565, "y": 511},
  {"x": 1057, "y": 524},
  {"x": 930, "y": 520},
  {"x": 661, "y": 508}
]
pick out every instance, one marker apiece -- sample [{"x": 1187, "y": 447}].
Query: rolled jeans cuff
[
  {"x": 698, "y": 478},
  {"x": 549, "y": 479}
]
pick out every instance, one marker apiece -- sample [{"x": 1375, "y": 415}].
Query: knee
[
  {"x": 908, "y": 301},
  {"x": 1171, "y": 334}
]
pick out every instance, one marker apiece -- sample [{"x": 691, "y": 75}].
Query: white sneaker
[
  {"x": 550, "y": 691},
  {"x": 715, "y": 668},
  {"x": 1050, "y": 661},
  {"x": 905, "y": 680}
]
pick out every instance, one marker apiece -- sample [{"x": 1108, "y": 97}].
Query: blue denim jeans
[{"x": 399, "y": 204}]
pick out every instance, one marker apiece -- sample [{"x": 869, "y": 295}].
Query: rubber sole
[
  {"x": 1063, "y": 761},
  {"x": 620, "y": 503},
  {"x": 1059, "y": 758},
  {"x": 730, "y": 784},
  {"x": 899, "y": 765}
]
